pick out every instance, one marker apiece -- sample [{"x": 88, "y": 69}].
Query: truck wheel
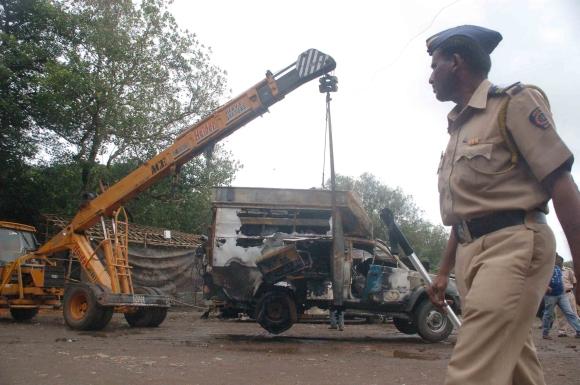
[
  {"x": 432, "y": 324},
  {"x": 405, "y": 326},
  {"x": 23, "y": 314},
  {"x": 159, "y": 313},
  {"x": 146, "y": 317},
  {"x": 276, "y": 311},
  {"x": 82, "y": 311}
]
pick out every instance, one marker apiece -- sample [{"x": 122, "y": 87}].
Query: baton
[{"x": 397, "y": 238}]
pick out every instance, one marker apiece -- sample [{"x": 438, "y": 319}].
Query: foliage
[
  {"x": 183, "y": 203},
  {"x": 90, "y": 90},
  {"x": 126, "y": 82},
  {"x": 29, "y": 41},
  {"x": 428, "y": 240}
]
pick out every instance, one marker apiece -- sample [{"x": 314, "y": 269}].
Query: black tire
[
  {"x": 146, "y": 317},
  {"x": 276, "y": 311},
  {"x": 105, "y": 319},
  {"x": 405, "y": 326},
  {"x": 159, "y": 313},
  {"x": 82, "y": 311},
  {"x": 23, "y": 314},
  {"x": 432, "y": 324}
]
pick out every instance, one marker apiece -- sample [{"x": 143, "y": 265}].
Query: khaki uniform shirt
[
  {"x": 473, "y": 180},
  {"x": 568, "y": 278}
]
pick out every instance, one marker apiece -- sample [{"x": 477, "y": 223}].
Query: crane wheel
[
  {"x": 82, "y": 311},
  {"x": 23, "y": 314},
  {"x": 146, "y": 317}
]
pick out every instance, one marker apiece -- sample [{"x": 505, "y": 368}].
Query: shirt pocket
[
  {"x": 473, "y": 167},
  {"x": 475, "y": 152},
  {"x": 479, "y": 158}
]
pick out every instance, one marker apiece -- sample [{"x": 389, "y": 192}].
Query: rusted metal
[{"x": 356, "y": 222}]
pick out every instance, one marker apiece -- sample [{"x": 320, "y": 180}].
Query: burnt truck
[{"x": 271, "y": 254}]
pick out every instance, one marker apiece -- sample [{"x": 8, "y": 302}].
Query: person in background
[
  {"x": 556, "y": 295},
  {"x": 569, "y": 287},
  {"x": 337, "y": 318}
]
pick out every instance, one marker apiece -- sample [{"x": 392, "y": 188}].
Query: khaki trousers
[
  {"x": 563, "y": 325},
  {"x": 501, "y": 278}
]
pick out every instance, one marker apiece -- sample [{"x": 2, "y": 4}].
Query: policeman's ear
[{"x": 457, "y": 62}]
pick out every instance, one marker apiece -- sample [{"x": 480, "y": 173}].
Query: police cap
[{"x": 483, "y": 38}]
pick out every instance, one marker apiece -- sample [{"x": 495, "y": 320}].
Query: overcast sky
[{"x": 386, "y": 120}]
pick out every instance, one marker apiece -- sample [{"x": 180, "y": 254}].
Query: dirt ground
[{"x": 188, "y": 350}]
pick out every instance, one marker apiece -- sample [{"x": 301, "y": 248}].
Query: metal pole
[
  {"x": 337, "y": 265},
  {"x": 397, "y": 238}
]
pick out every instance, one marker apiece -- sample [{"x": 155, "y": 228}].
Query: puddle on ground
[
  {"x": 415, "y": 355},
  {"x": 117, "y": 332},
  {"x": 269, "y": 349},
  {"x": 303, "y": 345},
  {"x": 312, "y": 339}
]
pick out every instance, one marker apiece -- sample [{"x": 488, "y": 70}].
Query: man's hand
[{"x": 437, "y": 290}]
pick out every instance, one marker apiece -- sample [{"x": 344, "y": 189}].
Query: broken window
[{"x": 265, "y": 222}]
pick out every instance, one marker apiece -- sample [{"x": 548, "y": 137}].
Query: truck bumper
[{"x": 139, "y": 300}]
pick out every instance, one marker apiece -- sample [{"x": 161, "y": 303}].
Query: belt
[{"x": 469, "y": 230}]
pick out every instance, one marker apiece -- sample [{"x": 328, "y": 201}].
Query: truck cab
[
  {"x": 27, "y": 282},
  {"x": 16, "y": 240},
  {"x": 270, "y": 254}
]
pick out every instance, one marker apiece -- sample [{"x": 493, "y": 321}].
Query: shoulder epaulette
[
  {"x": 512, "y": 89},
  {"x": 515, "y": 88},
  {"x": 536, "y": 88}
]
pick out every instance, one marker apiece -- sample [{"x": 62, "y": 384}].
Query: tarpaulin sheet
[{"x": 172, "y": 270}]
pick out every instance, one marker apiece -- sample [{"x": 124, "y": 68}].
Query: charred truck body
[{"x": 270, "y": 254}]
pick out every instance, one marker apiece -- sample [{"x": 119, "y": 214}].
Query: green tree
[
  {"x": 90, "y": 90},
  {"x": 29, "y": 41},
  {"x": 182, "y": 202},
  {"x": 127, "y": 81},
  {"x": 427, "y": 240}
]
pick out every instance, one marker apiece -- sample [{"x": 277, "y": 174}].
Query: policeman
[{"x": 503, "y": 163}]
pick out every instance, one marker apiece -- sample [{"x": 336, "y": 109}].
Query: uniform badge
[{"x": 538, "y": 119}]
